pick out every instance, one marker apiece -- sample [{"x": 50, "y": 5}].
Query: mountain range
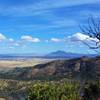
[{"x": 56, "y": 54}]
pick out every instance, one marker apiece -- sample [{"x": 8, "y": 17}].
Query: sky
[{"x": 43, "y": 26}]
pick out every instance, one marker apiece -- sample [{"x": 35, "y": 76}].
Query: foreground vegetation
[
  {"x": 49, "y": 90},
  {"x": 54, "y": 91},
  {"x": 14, "y": 90},
  {"x": 64, "y": 91}
]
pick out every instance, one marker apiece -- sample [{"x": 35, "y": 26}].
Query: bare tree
[{"x": 92, "y": 29}]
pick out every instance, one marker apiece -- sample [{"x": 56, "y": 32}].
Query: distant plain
[{"x": 10, "y": 64}]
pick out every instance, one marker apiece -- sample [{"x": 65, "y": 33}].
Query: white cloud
[
  {"x": 30, "y": 39},
  {"x": 2, "y": 37},
  {"x": 11, "y": 40},
  {"x": 16, "y": 44},
  {"x": 55, "y": 40},
  {"x": 82, "y": 37}
]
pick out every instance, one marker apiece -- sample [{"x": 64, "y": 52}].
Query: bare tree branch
[{"x": 93, "y": 30}]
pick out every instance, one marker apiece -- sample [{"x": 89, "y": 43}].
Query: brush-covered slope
[{"x": 80, "y": 68}]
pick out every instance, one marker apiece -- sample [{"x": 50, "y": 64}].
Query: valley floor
[{"x": 9, "y": 64}]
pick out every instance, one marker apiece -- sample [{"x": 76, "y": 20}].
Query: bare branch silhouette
[{"x": 92, "y": 29}]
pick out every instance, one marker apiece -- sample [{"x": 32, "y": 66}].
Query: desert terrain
[{"x": 20, "y": 63}]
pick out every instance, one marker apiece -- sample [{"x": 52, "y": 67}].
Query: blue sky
[{"x": 42, "y": 26}]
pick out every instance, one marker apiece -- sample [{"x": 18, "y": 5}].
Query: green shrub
[{"x": 54, "y": 91}]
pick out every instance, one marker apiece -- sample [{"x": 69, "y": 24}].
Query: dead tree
[{"x": 92, "y": 29}]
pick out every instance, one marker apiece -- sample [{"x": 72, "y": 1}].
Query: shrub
[{"x": 54, "y": 91}]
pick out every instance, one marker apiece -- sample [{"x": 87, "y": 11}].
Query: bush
[{"x": 54, "y": 91}]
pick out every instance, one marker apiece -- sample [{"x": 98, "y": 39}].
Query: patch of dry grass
[{"x": 6, "y": 64}]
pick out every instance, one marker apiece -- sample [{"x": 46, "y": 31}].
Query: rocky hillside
[{"x": 80, "y": 68}]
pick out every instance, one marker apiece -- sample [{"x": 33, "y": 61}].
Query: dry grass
[{"x": 6, "y": 64}]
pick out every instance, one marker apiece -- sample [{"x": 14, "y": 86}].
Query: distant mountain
[
  {"x": 57, "y": 54},
  {"x": 63, "y": 54}
]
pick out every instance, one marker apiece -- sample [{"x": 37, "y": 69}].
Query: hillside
[{"x": 78, "y": 68}]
